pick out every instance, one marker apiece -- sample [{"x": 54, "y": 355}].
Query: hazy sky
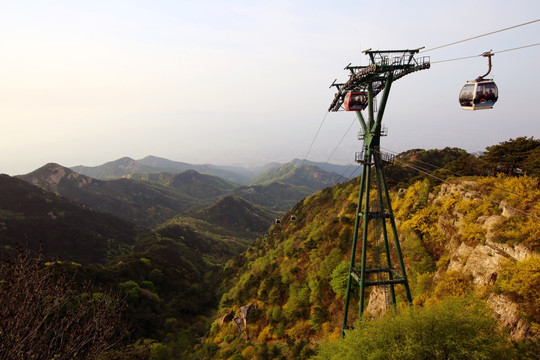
[{"x": 247, "y": 82}]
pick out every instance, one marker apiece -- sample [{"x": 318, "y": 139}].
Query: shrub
[{"x": 459, "y": 328}]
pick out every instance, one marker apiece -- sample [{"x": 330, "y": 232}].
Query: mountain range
[
  {"x": 125, "y": 167},
  {"x": 147, "y": 196}
]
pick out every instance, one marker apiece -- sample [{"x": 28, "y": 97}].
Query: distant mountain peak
[
  {"x": 200, "y": 185},
  {"x": 231, "y": 200},
  {"x": 189, "y": 172},
  {"x": 50, "y": 175},
  {"x": 151, "y": 157},
  {"x": 160, "y": 162},
  {"x": 128, "y": 164},
  {"x": 298, "y": 174},
  {"x": 234, "y": 212}
]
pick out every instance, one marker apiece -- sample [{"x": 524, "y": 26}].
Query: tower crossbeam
[{"x": 375, "y": 73}]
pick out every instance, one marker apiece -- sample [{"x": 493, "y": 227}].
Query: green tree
[
  {"x": 402, "y": 174},
  {"x": 508, "y": 156},
  {"x": 340, "y": 277},
  {"x": 160, "y": 352},
  {"x": 318, "y": 317},
  {"x": 466, "y": 165},
  {"x": 531, "y": 165},
  {"x": 298, "y": 301}
]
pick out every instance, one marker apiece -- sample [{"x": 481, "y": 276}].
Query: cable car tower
[{"x": 357, "y": 94}]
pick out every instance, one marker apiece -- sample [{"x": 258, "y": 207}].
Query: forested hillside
[
  {"x": 33, "y": 217},
  {"x": 473, "y": 236}
]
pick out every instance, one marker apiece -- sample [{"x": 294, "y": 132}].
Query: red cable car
[{"x": 355, "y": 101}]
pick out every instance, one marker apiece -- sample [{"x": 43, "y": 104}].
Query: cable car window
[
  {"x": 486, "y": 94},
  {"x": 466, "y": 95}
]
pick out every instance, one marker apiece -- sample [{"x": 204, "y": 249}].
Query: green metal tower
[{"x": 366, "y": 82}]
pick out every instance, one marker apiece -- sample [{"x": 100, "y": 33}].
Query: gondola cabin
[
  {"x": 355, "y": 101},
  {"x": 478, "y": 95}
]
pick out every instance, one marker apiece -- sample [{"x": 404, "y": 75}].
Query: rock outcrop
[
  {"x": 480, "y": 260},
  {"x": 484, "y": 261}
]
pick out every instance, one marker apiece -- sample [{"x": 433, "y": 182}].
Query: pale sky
[{"x": 247, "y": 82}]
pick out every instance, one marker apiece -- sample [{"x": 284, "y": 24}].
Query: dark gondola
[
  {"x": 355, "y": 101},
  {"x": 481, "y": 93}
]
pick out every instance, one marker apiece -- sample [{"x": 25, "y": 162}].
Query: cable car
[
  {"x": 478, "y": 95},
  {"x": 481, "y": 93},
  {"x": 355, "y": 101}
]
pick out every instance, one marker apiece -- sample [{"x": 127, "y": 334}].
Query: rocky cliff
[{"x": 471, "y": 224}]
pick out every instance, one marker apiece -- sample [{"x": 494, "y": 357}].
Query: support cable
[
  {"x": 479, "y": 36},
  {"x": 516, "y": 48},
  {"x": 355, "y": 170},
  {"x": 339, "y": 143},
  {"x": 350, "y": 177},
  {"x": 315, "y": 137},
  {"x": 495, "y": 52},
  {"x": 335, "y": 148}
]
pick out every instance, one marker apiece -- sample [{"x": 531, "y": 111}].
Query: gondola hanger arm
[{"x": 487, "y": 54}]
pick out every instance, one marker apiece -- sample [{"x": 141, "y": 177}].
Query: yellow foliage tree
[
  {"x": 453, "y": 283},
  {"x": 521, "y": 280}
]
